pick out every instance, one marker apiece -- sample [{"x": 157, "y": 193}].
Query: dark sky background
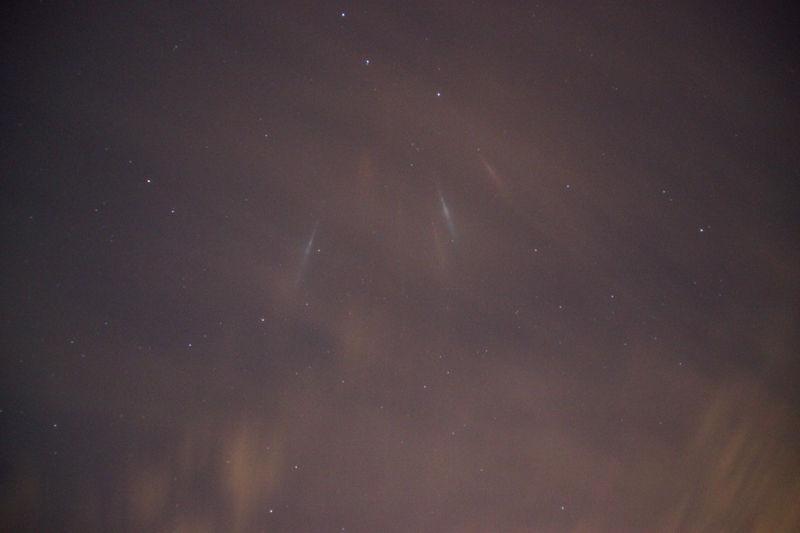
[{"x": 399, "y": 266}]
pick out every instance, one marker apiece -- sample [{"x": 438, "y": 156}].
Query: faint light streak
[
  {"x": 307, "y": 252},
  {"x": 451, "y": 228}
]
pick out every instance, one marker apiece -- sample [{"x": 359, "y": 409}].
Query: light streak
[
  {"x": 307, "y": 252},
  {"x": 447, "y": 217}
]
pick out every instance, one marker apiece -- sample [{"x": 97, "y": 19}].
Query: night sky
[{"x": 400, "y": 266}]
